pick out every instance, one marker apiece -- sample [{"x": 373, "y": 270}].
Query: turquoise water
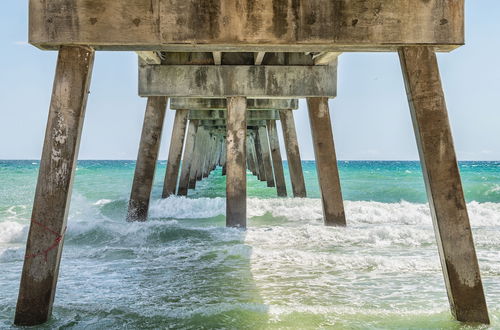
[{"x": 183, "y": 269}]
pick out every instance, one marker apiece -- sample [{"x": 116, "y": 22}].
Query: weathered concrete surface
[
  {"x": 236, "y": 177},
  {"x": 326, "y": 162},
  {"x": 187, "y": 159},
  {"x": 233, "y": 80},
  {"x": 255, "y": 25},
  {"x": 260, "y": 159},
  {"x": 146, "y": 160},
  {"x": 251, "y": 141},
  {"x": 175, "y": 152},
  {"x": 198, "y": 154},
  {"x": 266, "y": 156},
  {"x": 221, "y": 115},
  {"x": 55, "y": 181},
  {"x": 444, "y": 187},
  {"x": 293, "y": 153},
  {"x": 274, "y": 145},
  {"x": 250, "y": 158},
  {"x": 221, "y": 104}
]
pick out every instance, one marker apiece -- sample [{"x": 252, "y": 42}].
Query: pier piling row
[{"x": 250, "y": 63}]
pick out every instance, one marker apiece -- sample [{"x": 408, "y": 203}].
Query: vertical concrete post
[
  {"x": 146, "y": 159},
  {"x": 236, "y": 182},
  {"x": 260, "y": 158},
  {"x": 326, "y": 161},
  {"x": 293, "y": 153},
  {"x": 223, "y": 157},
  {"x": 274, "y": 145},
  {"x": 208, "y": 156},
  {"x": 193, "y": 171},
  {"x": 187, "y": 159},
  {"x": 254, "y": 155},
  {"x": 444, "y": 187},
  {"x": 250, "y": 158},
  {"x": 55, "y": 181},
  {"x": 266, "y": 156},
  {"x": 202, "y": 151},
  {"x": 175, "y": 152}
]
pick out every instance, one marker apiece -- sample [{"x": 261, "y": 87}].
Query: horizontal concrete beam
[
  {"x": 221, "y": 104},
  {"x": 253, "y": 25},
  {"x": 221, "y": 114},
  {"x": 232, "y": 80},
  {"x": 222, "y": 123}
]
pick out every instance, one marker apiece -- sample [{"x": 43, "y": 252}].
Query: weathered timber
[
  {"x": 326, "y": 162},
  {"x": 264, "y": 81},
  {"x": 146, "y": 159},
  {"x": 175, "y": 152},
  {"x": 293, "y": 153},
  {"x": 53, "y": 190},
  {"x": 221, "y": 104},
  {"x": 274, "y": 145},
  {"x": 444, "y": 187},
  {"x": 250, "y": 25},
  {"x": 266, "y": 156},
  {"x": 236, "y": 181},
  {"x": 187, "y": 158}
]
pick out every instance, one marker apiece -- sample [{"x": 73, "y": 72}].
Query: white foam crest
[
  {"x": 321, "y": 237},
  {"x": 484, "y": 214},
  {"x": 12, "y": 232},
  {"x": 293, "y": 209},
  {"x": 187, "y": 208},
  {"x": 286, "y": 262}
]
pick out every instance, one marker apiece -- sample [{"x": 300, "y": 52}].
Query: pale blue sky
[{"x": 370, "y": 116}]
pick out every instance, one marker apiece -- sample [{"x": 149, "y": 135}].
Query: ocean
[{"x": 184, "y": 270}]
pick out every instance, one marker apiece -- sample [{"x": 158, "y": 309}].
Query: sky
[{"x": 370, "y": 116}]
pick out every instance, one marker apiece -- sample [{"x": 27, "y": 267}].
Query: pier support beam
[
  {"x": 266, "y": 156},
  {"x": 236, "y": 182},
  {"x": 187, "y": 159},
  {"x": 444, "y": 187},
  {"x": 274, "y": 145},
  {"x": 175, "y": 152},
  {"x": 146, "y": 159},
  {"x": 293, "y": 153},
  {"x": 326, "y": 161},
  {"x": 55, "y": 181}
]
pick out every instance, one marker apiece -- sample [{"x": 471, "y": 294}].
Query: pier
[{"x": 231, "y": 70}]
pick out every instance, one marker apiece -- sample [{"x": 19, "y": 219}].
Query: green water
[{"x": 183, "y": 269}]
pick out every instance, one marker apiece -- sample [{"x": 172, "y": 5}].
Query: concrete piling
[
  {"x": 236, "y": 181},
  {"x": 326, "y": 162},
  {"x": 55, "y": 181},
  {"x": 187, "y": 158},
  {"x": 266, "y": 156},
  {"x": 175, "y": 153},
  {"x": 293, "y": 153},
  {"x": 274, "y": 145},
  {"x": 146, "y": 160},
  {"x": 443, "y": 183}
]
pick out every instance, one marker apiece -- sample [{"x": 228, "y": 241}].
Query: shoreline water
[{"x": 183, "y": 269}]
